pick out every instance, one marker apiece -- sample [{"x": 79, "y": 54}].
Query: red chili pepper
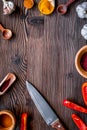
[
  {"x": 24, "y": 121},
  {"x": 74, "y": 106},
  {"x": 80, "y": 124},
  {"x": 84, "y": 92}
]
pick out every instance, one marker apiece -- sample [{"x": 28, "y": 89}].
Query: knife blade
[{"x": 44, "y": 108}]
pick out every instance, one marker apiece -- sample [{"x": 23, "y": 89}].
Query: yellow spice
[{"x": 45, "y": 7}]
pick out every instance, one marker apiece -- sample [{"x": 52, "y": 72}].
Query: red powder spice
[
  {"x": 83, "y": 61},
  {"x": 4, "y": 85}
]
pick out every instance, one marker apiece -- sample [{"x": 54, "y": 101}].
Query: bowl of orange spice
[
  {"x": 81, "y": 61},
  {"x": 28, "y": 4},
  {"x": 46, "y": 6},
  {"x": 7, "y": 120}
]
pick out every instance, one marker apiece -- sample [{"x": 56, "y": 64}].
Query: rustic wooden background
[{"x": 43, "y": 55}]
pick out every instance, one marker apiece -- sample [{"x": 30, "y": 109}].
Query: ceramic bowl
[
  {"x": 7, "y": 120},
  {"x": 78, "y": 57}
]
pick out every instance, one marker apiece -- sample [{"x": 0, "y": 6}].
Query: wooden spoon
[
  {"x": 62, "y": 8},
  {"x": 7, "y": 33}
]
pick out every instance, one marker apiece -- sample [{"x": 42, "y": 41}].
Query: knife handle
[{"x": 58, "y": 125}]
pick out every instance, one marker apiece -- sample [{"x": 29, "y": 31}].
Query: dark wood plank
[{"x": 43, "y": 55}]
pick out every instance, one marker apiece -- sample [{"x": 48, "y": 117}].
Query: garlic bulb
[
  {"x": 81, "y": 10},
  {"x": 8, "y": 7},
  {"x": 84, "y": 31}
]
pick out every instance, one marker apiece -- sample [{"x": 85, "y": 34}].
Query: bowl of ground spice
[
  {"x": 7, "y": 120},
  {"x": 81, "y": 61}
]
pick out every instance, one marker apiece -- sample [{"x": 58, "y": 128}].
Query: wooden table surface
[{"x": 44, "y": 55}]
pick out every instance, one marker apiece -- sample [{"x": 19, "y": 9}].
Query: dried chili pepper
[
  {"x": 74, "y": 106},
  {"x": 24, "y": 121},
  {"x": 84, "y": 92},
  {"x": 80, "y": 124}
]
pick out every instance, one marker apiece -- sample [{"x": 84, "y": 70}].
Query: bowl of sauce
[{"x": 81, "y": 61}]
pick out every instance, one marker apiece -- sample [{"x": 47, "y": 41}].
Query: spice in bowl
[
  {"x": 46, "y": 6},
  {"x": 7, "y": 120},
  {"x": 83, "y": 61},
  {"x": 28, "y": 4}
]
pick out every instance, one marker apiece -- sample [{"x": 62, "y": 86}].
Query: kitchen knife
[{"x": 45, "y": 110}]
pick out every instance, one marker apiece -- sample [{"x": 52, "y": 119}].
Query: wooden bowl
[
  {"x": 78, "y": 57},
  {"x": 7, "y": 120}
]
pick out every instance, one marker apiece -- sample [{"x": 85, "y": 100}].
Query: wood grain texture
[{"x": 44, "y": 55}]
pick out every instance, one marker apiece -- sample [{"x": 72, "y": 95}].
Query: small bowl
[
  {"x": 78, "y": 57},
  {"x": 7, "y": 120}
]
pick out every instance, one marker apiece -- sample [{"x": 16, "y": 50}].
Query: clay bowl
[
  {"x": 78, "y": 57},
  {"x": 7, "y": 120}
]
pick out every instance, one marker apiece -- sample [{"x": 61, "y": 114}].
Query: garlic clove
[
  {"x": 8, "y": 7},
  {"x": 84, "y": 5},
  {"x": 84, "y": 31},
  {"x": 81, "y": 10}
]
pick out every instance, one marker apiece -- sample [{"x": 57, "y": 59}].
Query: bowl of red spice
[{"x": 81, "y": 61}]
